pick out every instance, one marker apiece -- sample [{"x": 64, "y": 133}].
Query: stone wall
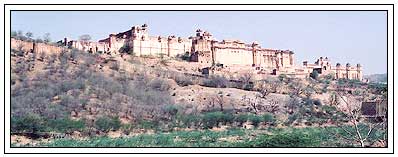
[
  {"x": 28, "y": 46},
  {"x": 230, "y": 56},
  {"x": 21, "y": 45}
]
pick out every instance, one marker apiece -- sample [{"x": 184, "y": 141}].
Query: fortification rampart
[{"x": 29, "y": 46}]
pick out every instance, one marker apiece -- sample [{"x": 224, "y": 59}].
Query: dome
[{"x": 338, "y": 65}]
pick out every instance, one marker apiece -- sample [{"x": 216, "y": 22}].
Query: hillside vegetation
[{"x": 81, "y": 99}]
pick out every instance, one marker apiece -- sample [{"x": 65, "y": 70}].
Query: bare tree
[
  {"x": 352, "y": 112},
  {"x": 333, "y": 100},
  {"x": 270, "y": 85},
  {"x": 29, "y": 35},
  {"x": 246, "y": 78},
  {"x": 220, "y": 100},
  {"x": 85, "y": 38},
  {"x": 46, "y": 38},
  {"x": 296, "y": 88},
  {"x": 252, "y": 102}
]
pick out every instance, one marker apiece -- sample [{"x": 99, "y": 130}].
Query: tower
[
  {"x": 202, "y": 47},
  {"x": 338, "y": 71},
  {"x": 359, "y": 72},
  {"x": 139, "y": 32},
  {"x": 348, "y": 71},
  {"x": 255, "y": 46}
]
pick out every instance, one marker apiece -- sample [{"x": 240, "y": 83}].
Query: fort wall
[
  {"x": 28, "y": 46},
  {"x": 207, "y": 51}
]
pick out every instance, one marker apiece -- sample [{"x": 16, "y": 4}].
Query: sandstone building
[
  {"x": 323, "y": 66},
  {"x": 204, "y": 49}
]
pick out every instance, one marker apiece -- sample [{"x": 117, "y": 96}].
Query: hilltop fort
[{"x": 209, "y": 52}]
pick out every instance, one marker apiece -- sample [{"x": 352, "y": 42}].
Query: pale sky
[{"x": 342, "y": 36}]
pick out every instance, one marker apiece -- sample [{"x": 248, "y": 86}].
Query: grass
[{"x": 272, "y": 137}]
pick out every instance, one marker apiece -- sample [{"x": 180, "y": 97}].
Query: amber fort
[{"x": 203, "y": 49}]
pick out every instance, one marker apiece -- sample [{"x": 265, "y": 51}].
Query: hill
[
  {"x": 376, "y": 78},
  {"x": 78, "y": 95}
]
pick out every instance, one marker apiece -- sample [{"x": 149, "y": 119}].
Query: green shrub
[
  {"x": 212, "y": 119},
  {"x": 30, "y": 123},
  {"x": 190, "y": 120},
  {"x": 145, "y": 124},
  {"x": 314, "y": 75},
  {"x": 106, "y": 124},
  {"x": 125, "y": 49},
  {"x": 241, "y": 118},
  {"x": 170, "y": 110},
  {"x": 329, "y": 109},
  {"x": 186, "y": 56},
  {"x": 292, "y": 118},
  {"x": 65, "y": 125},
  {"x": 254, "y": 119},
  {"x": 268, "y": 118}
]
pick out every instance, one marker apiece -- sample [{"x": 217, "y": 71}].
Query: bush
[
  {"x": 317, "y": 102},
  {"x": 106, "y": 124},
  {"x": 328, "y": 77},
  {"x": 182, "y": 80},
  {"x": 145, "y": 124},
  {"x": 329, "y": 109},
  {"x": 125, "y": 49},
  {"x": 212, "y": 119},
  {"x": 65, "y": 125},
  {"x": 159, "y": 84},
  {"x": 314, "y": 75},
  {"x": 27, "y": 124},
  {"x": 242, "y": 118},
  {"x": 248, "y": 86},
  {"x": 254, "y": 119},
  {"x": 268, "y": 118},
  {"x": 191, "y": 120},
  {"x": 114, "y": 65},
  {"x": 216, "y": 81},
  {"x": 170, "y": 110},
  {"x": 282, "y": 77},
  {"x": 185, "y": 56}
]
